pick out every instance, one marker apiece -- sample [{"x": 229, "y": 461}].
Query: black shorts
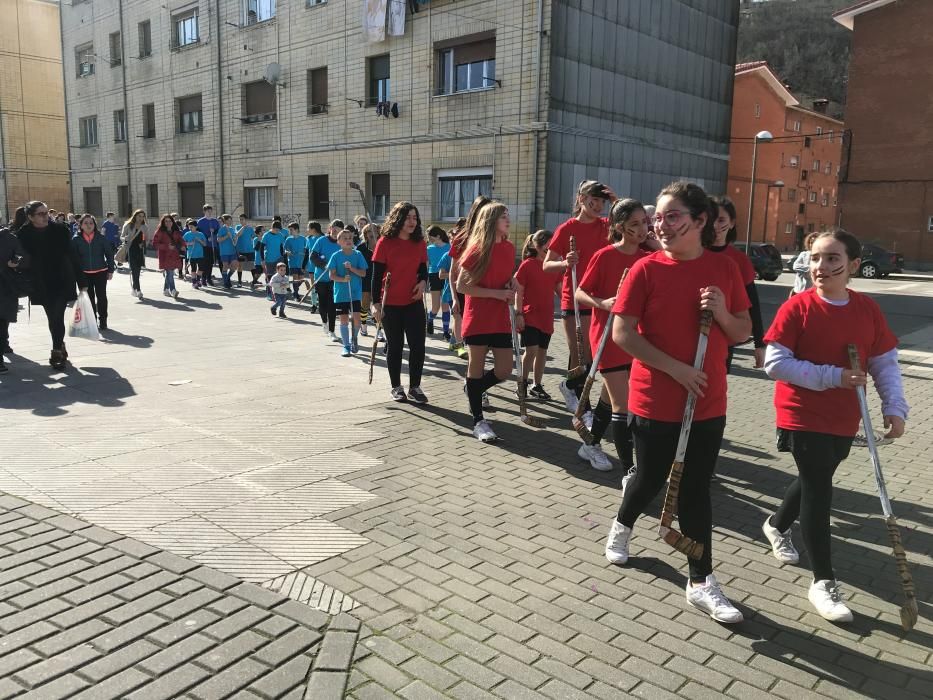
[
  {"x": 492, "y": 340},
  {"x": 343, "y": 307},
  {"x": 568, "y": 313},
  {"x": 532, "y": 336},
  {"x": 435, "y": 283},
  {"x": 617, "y": 368}
]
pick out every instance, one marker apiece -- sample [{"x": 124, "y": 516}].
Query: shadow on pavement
[{"x": 114, "y": 337}]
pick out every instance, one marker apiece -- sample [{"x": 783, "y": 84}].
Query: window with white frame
[
  {"x": 796, "y": 126},
  {"x": 812, "y": 197},
  {"x": 119, "y": 125},
  {"x": 794, "y": 161},
  {"x": 819, "y": 131},
  {"x": 259, "y": 11},
  {"x": 792, "y": 195},
  {"x": 312, "y": 3},
  {"x": 825, "y": 201},
  {"x": 467, "y": 66},
  {"x": 816, "y": 166},
  {"x": 831, "y": 135},
  {"x": 189, "y": 114},
  {"x": 144, "y": 32},
  {"x": 380, "y": 82},
  {"x": 456, "y": 190},
  {"x": 379, "y": 195},
  {"x": 87, "y": 131},
  {"x": 260, "y": 199},
  {"x": 789, "y": 228},
  {"x": 185, "y": 28},
  {"x": 85, "y": 60},
  {"x": 828, "y": 169}
]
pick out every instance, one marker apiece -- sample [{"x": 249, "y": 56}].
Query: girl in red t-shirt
[
  {"x": 486, "y": 266},
  {"x": 401, "y": 252},
  {"x": 628, "y": 229},
  {"x": 589, "y": 228},
  {"x": 816, "y": 408},
  {"x": 724, "y": 226},
  {"x": 534, "y": 309},
  {"x": 657, "y": 322},
  {"x": 458, "y": 241}
]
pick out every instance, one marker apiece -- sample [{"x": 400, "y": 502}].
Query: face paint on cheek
[{"x": 838, "y": 271}]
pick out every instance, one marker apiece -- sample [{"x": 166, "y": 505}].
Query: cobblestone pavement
[{"x": 200, "y": 452}]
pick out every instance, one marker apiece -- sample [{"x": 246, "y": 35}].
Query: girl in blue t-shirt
[
  {"x": 195, "y": 242},
  {"x": 257, "y": 255},
  {"x": 438, "y": 246},
  {"x": 347, "y": 268}
]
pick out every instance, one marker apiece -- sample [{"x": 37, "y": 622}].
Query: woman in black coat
[
  {"x": 11, "y": 258},
  {"x": 54, "y": 271}
]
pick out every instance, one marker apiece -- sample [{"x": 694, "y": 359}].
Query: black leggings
[
  {"x": 325, "y": 304},
  {"x": 402, "y": 322},
  {"x": 55, "y": 311},
  {"x": 655, "y": 445},
  {"x": 811, "y": 495},
  {"x": 135, "y": 269},
  {"x": 97, "y": 292}
]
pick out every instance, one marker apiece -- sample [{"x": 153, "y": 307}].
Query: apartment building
[
  {"x": 33, "y": 145},
  {"x": 266, "y": 107},
  {"x": 797, "y": 174}
]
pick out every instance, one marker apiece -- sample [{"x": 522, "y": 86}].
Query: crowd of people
[{"x": 639, "y": 287}]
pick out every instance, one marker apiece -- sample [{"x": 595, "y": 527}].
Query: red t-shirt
[
  {"x": 538, "y": 289},
  {"x": 483, "y": 315},
  {"x": 664, "y": 295},
  {"x": 402, "y": 258},
  {"x": 601, "y": 279},
  {"x": 819, "y": 332},
  {"x": 589, "y": 239},
  {"x": 746, "y": 269}
]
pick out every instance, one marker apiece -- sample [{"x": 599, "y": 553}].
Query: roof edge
[
  {"x": 846, "y": 16},
  {"x": 770, "y": 78}
]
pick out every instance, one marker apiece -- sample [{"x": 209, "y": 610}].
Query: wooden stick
[{"x": 372, "y": 354}]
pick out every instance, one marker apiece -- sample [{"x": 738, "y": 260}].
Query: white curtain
[{"x": 374, "y": 20}]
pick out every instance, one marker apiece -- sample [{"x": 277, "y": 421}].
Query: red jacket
[{"x": 168, "y": 246}]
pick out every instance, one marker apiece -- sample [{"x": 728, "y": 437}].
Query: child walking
[
  {"x": 296, "y": 251},
  {"x": 257, "y": 256},
  {"x": 243, "y": 239},
  {"x": 273, "y": 250},
  {"x": 443, "y": 274},
  {"x": 347, "y": 268},
  {"x": 534, "y": 309},
  {"x": 195, "y": 242},
  {"x": 278, "y": 288},
  {"x": 226, "y": 246},
  {"x": 438, "y": 246},
  {"x": 369, "y": 235},
  {"x": 815, "y": 401}
]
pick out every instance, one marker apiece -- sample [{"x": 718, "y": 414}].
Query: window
[
  {"x": 152, "y": 201},
  {"x": 379, "y": 83},
  {"x": 825, "y": 200},
  {"x": 816, "y": 166},
  {"x": 803, "y": 174},
  {"x": 84, "y": 60},
  {"x": 259, "y": 10},
  {"x": 828, "y": 170},
  {"x": 317, "y": 90},
  {"x": 189, "y": 114},
  {"x": 94, "y": 201},
  {"x": 185, "y": 28},
  {"x": 456, "y": 190},
  {"x": 123, "y": 201},
  {"x": 379, "y": 195},
  {"x": 789, "y": 228},
  {"x": 792, "y": 195},
  {"x": 191, "y": 199},
  {"x": 312, "y": 3},
  {"x": 260, "y": 202},
  {"x": 258, "y": 102},
  {"x": 119, "y": 126},
  {"x": 757, "y": 111},
  {"x": 930, "y": 225},
  {"x": 87, "y": 131},
  {"x": 149, "y": 129},
  {"x": 318, "y": 197},
  {"x": 794, "y": 161},
  {"x": 812, "y": 196},
  {"x": 831, "y": 135},
  {"x": 116, "y": 49},
  {"x": 468, "y": 66},
  {"x": 819, "y": 131},
  {"x": 807, "y": 142},
  {"x": 144, "y": 30},
  {"x": 796, "y": 126},
  {"x": 801, "y": 208},
  {"x": 811, "y": 228}
]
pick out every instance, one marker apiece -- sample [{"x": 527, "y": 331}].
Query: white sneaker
[
  {"x": 710, "y": 599},
  {"x": 483, "y": 432},
  {"x": 625, "y": 479},
  {"x": 825, "y": 597},
  {"x": 166, "y": 293},
  {"x": 570, "y": 399},
  {"x": 363, "y": 331},
  {"x": 381, "y": 336},
  {"x": 617, "y": 543},
  {"x": 588, "y": 420},
  {"x": 595, "y": 456},
  {"x": 782, "y": 544},
  {"x": 139, "y": 295},
  {"x": 334, "y": 338}
]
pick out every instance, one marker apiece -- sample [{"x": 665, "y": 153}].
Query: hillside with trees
[{"x": 801, "y": 43}]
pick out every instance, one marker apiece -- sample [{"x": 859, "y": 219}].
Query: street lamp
[
  {"x": 777, "y": 184},
  {"x": 760, "y": 137}
]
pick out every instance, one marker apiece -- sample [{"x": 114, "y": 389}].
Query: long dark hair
[
  {"x": 83, "y": 217},
  {"x": 619, "y": 213},
  {"x": 435, "y": 231},
  {"x": 396, "y": 219},
  {"x": 162, "y": 223},
  {"x": 19, "y": 219},
  {"x": 723, "y": 202},
  {"x": 463, "y": 232},
  {"x": 692, "y": 196}
]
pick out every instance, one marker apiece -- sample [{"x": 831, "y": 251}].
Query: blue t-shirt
[
  {"x": 226, "y": 245},
  {"x": 309, "y": 244},
  {"x": 273, "y": 242},
  {"x": 209, "y": 227},
  {"x": 444, "y": 264},
  {"x": 356, "y": 259},
  {"x": 257, "y": 254},
  {"x": 196, "y": 239},
  {"x": 435, "y": 253},
  {"x": 244, "y": 244},
  {"x": 111, "y": 233},
  {"x": 295, "y": 247},
  {"x": 326, "y": 248}
]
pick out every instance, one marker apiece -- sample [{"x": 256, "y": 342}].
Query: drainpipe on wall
[
  {"x": 537, "y": 110},
  {"x": 220, "y": 111},
  {"x": 126, "y": 114},
  {"x": 71, "y": 183}
]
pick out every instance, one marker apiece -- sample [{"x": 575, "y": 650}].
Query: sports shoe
[
  {"x": 415, "y": 394},
  {"x": 430, "y": 328},
  {"x": 398, "y": 394},
  {"x": 570, "y": 399},
  {"x": 617, "y": 543},
  {"x": 537, "y": 392},
  {"x": 57, "y": 359},
  {"x": 354, "y": 347},
  {"x": 166, "y": 292},
  {"x": 625, "y": 479},
  {"x": 710, "y": 599},
  {"x": 314, "y": 308},
  {"x": 272, "y": 309},
  {"x": 364, "y": 331},
  {"x": 381, "y": 336},
  {"x": 447, "y": 336},
  {"x": 825, "y": 597},
  {"x": 595, "y": 456},
  {"x": 139, "y": 295},
  {"x": 174, "y": 294},
  {"x": 482, "y": 431},
  {"x": 333, "y": 337},
  {"x": 282, "y": 313},
  {"x": 782, "y": 544},
  {"x": 346, "y": 351}
]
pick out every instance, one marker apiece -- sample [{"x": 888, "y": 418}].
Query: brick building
[
  {"x": 168, "y": 106},
  {"x": 886, "y": 193},
  {"x": 805, "y": 155},
  {"x": 33, "y": 146}
]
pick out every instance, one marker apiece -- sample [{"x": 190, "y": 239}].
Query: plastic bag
[{"x": 83, "y": 324}]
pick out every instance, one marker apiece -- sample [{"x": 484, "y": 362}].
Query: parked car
[
  {"x": 878, "y": 262},
  {"x": 766, "y": 259}
]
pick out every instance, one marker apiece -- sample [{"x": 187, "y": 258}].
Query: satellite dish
[{"x": 273, "y": 73}]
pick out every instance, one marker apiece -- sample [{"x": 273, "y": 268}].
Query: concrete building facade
[
  {"x": 263, "y": 107},
  {"x": 886, "y": 192},
  {"x": 33, "y": 143},
  {"x": 805, "y": 156}
]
